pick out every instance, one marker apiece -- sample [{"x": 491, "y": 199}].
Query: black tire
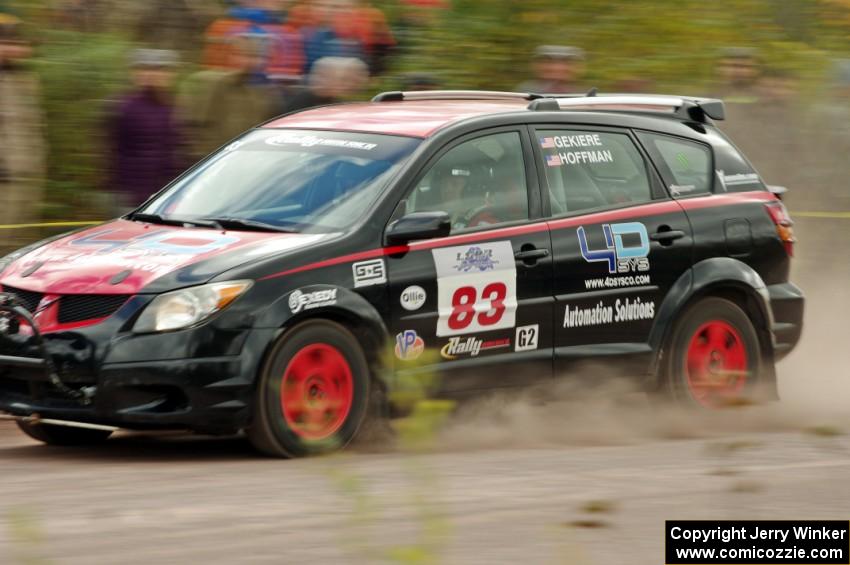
[
  {"x": 270, "y": 431},
  {"x": 739, "y": 356},
  {"x": 63, "y": 435}
]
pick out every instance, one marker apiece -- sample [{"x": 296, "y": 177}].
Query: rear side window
[
  {"x": 685, "y": 165},
  {"x": 734, "y": 172},
  {"x": 587, "y": 169}
]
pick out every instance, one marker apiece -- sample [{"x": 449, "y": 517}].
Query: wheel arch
[
  {"x": 349, "y": 309},
  {"x": 721, "y": 277}
]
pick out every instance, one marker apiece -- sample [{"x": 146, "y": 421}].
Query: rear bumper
[{"x": 787, "y": 306}]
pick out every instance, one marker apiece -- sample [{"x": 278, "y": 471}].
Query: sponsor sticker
[
  {"x": 471, "y": 346},
  {"x": 622, "y": 310},
  {"x": 314, "y": 140},
  {"x": 413, "y": 298},
  {"x": 299, "y": 301},
  {"x": 408, "y": 345},
  {"x": 368, "y": 273},
  {"x": 526, "y": 338},
  {"x": 579, "y": 149},
  {"x": 476, "y": 288},
  {"x": 620, "y": 256}
]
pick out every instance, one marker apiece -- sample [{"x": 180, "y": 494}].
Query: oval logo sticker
[{"x": 413, "y": 298}]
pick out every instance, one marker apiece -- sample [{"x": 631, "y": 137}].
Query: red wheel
[
  {"x": 313, "y": 393},
  {"x": 716, "y": 364},
  {"x": 317, "y": 391},
  {"x": 714, "y": 355}
]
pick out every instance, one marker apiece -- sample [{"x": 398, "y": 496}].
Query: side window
[
  {"x": 588, "y": 169},
  {"x": 733, "y": 171},
  {"x": 686, "y": 165},
  {"x": 479, "y": 182}
]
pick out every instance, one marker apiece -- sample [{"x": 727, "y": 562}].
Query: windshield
[{"x": 305, "y": 181}]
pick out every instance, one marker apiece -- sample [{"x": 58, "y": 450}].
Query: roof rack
[
  {"x": 397, "y": 96},
  {"x": 689, "y": 108}
]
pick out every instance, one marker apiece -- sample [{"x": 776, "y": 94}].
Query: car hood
[{"x": 124, "y": 257}]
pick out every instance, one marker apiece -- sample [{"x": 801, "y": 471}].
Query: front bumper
[
  {"x": 110, "y": 377},
  {"x": 787, "y": 305}
]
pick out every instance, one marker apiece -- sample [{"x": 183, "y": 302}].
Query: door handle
[
  {"x": 667, "y": 236},
  {"x": 530, "y": 255}
]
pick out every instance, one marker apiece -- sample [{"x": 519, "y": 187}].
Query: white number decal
[{"x": 476, "y": 288}]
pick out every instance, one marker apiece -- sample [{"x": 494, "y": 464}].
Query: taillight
[{"x": 784, "y": 225}]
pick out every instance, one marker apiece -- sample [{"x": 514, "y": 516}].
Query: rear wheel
[
  {"x": 63, "y": 435},
  {"x": 313, "y": 394},
  {"x": 715, "y": 357}
]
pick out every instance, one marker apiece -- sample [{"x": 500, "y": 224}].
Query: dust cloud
[{"x": 594, "y": 410}]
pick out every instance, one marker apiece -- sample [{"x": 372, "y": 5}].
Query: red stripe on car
[{"x": 650, "y": 209}]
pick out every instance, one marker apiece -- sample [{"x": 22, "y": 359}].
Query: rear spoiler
[
  {"x": 685, "y": 107},
  {"x": 777, "y": 191}
]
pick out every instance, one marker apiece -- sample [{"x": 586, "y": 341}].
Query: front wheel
[
  {"x": 63, "y": 435},
  {"x": 313, "y": 393},
  {"x": 714, "y": 356}
]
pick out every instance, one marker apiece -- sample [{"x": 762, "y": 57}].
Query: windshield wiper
[
  {"x": 158, "y": 219},
  {"x": 240, "y": 223}
]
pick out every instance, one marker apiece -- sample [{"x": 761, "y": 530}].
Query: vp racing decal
[
  {"x": 476, "y": 288},
  {"x": 408, "y": 345}
]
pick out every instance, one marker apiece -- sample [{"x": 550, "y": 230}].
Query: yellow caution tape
[
  {"x": 833, "y": 215},
  {"x": 828, "y": 215},
  {"x": 49, "y": 225}
]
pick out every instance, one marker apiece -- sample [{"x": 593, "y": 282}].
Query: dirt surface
[{"x": 513, "y": 481}]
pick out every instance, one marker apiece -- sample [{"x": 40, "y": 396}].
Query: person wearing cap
[
  {"x": 145, "y": 140},
  {"x": 22, "y": 144},
  {"x": 557, "y": 69}
]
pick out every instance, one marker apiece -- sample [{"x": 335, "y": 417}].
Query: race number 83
[
  {"x": 476, "y": 288},
  {"x": 463, "y": 306}
]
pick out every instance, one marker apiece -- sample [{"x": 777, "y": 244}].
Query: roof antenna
[{"x": 592, "y": 92}]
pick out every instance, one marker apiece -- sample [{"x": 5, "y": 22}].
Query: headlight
[{"x": 187, "y": 307}]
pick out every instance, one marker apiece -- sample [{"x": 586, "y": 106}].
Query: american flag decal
[
  {"x": 554, "y": 160},
  {"x": 547, "y": 142}
]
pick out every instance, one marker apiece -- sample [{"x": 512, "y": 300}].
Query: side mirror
[{"x": 419, "y": 225}]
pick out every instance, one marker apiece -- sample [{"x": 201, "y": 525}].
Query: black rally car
[{"x": 491, "y": 238}]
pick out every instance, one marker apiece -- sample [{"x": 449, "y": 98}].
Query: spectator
[
  {"x": 367, "y": 25},
  {"x": 738, "y": 73},
  {"x": 324, "y": 36},
  {"x": 145, "y": 142},
  {"x": 557, "y": 69},
  {"x": 419, "y": 81},
  {"x": 285, "y": 51},
  {"x": 824, "y": 183},
  {"x": 761, "y": 108},
  {"x": 22, "y": 158},
  {"x": 219, "y": 105},
  {"x": 333, "y": 79}
]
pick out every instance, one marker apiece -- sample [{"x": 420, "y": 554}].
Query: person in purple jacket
[{"x": 146, "y": 145}]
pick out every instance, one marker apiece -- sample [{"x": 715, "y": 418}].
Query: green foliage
[
  {"x": 670, "y": 45},
  {"x": 661, "y": 45},
  {"x": 79, "y": 73}
]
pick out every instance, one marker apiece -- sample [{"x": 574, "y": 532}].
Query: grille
[
  {"x": 30, "y": 299},
  {"x": 82, "y": 307}
]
